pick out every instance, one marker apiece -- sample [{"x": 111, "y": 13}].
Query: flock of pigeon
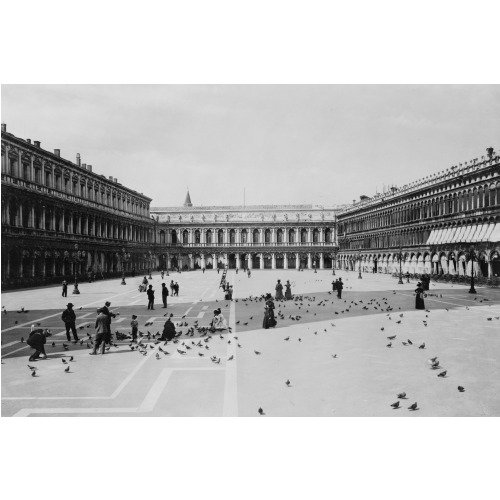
[{"x": 304, "y": 303}]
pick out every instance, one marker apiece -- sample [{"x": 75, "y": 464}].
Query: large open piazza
[{"x": 334, "y": 352}]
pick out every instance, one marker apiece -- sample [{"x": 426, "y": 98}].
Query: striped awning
[{"x": 465, "y": 234}]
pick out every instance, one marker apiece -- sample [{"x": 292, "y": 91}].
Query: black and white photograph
[{"x": 254, "y": 245}]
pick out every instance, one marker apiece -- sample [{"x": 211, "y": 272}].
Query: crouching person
[
  {"x": 37, "y": 341},
  {"x": 102, "y": 331},
  {"x": 168, "y": 330}
]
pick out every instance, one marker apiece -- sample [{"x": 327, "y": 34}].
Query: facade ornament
[{"x": 192, "y": 218}]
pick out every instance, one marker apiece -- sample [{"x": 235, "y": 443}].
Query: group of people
[
  {"x": 279, "y": 291},
  {"x": 338, "y": 286}
]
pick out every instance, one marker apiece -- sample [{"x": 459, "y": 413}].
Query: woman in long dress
[
  {"x": 279, "y": 291},
  {"x": 269, "y": 320},
  {"x": 218, "y": 321},
  {"x": 288, "y": 291},
  {"x": 419, "y": 298}
]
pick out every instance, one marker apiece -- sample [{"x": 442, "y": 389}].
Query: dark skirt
[
  {"x": 269, "y": 321},
  {"x": 419, "y": 302}
]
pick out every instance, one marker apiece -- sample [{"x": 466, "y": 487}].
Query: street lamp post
[
  {"x": 359, "y": 258},
  {"x": 124, "y": 257},
  {"x": 333, "y": 263},
  {"x": 472, "y": 255},
  {"x": 400, "y": 282},
  {"x": 77, "y": 257}
]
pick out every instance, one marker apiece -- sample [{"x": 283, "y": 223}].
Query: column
[
  {"x": 214, "y": 261},
  {"x": 273, "y": 235},
  {"x": 169, "y": 262},
  {"x": 297, "y": 261},
  {"x": 20, "y": 216},
  {"x": 237, "y": 255},
  {"x": 321, "y": 261},
  {"x": 31, "y": 218},
  {"x": 309, "y": 261},
  {"x": 309, "y": 237},
  {"x": 43, "y": 218},
  {"x": 261, "y": 236},
  {"x": 191, "y": 260},
  {"x": 261, "y": 256},
  {"x": 250, "y": 261},
  {"x": 285, "y": 261},
  {"x": 273, "y": 261},
  {"x": 202, "y": 259},
  {"x": 226, "y": 260}
]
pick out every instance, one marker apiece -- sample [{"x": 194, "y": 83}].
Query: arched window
[
  {"x": 185, "y": 237},
  {"x": 256, "y": 236},
  {"x": 209, "y": 237},
  {"x": 303, "y": 236},
  {"x": 197, "y": 237},
  {"x": 291, "y": 235},
  {"x": 162, "y": 237},
  {"x": 220, "y": 237},
  {"x": 174, "y": 237},
  {"x": 232, "y": 236},
  {"x": 328, "y": 235},
  {"x": 279, "y": 236},
  {"x": 244, "y": 236},
  {"x": 315, "y": 235},
  {"x": 267, "y": 236}
]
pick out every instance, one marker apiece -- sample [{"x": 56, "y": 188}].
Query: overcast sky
[{"x": 324, "y": 144}]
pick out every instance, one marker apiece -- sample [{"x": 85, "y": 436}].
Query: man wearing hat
[
  {"x": 37, "y": 341},
  {"x": 69, "y": 318},
  {"x": 164, "y": 294},
  {"x": 102, "y": 331},
  {"x": 109, "y": 315}
]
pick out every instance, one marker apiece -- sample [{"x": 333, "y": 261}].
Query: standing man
[
  {"x": 69, "y": 318},
  {"x": 102, "y": 331},
  {"x": 64, "y": 288},
  {"x": 109, "y": 314},
  {"x": 151, "y": 297},
  {"x": 340, "y": 286},
  {"x": 164, "y": 295},
  {"x": 334, "y": 285},
  {"x": 176, "y": 288}
]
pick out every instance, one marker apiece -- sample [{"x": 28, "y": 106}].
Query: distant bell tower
[{"x": 188, "y": 203}]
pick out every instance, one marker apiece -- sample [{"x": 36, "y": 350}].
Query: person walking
[
  {"x": 64, "y": 288},
  {"x": 176, "y": 288},
  {"x": 37, "y": 340},
  {"x": 334, "y": 285},
  {"x": 288, "y": 291},
  {"x": 340, "y": 286},
  {"x": 135, "y": 326},
  {"x": 162, "y": 274},
  {"x": 69, "y": 319},
  {"x": 164, "y": 294},
  {"x": 279, "y": 291},
  {"x": 102, "y": 331},
  {"x": 172, "y": 288},
  {"x": 151, "y": 297},
  {"x": 419, "y": 297}
]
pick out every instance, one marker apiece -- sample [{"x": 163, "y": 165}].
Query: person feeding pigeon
[
  {"x": 168, "y": 329},
  {"x": 37, "y": 340},
  {"x": 102, "y": 331},
  {"x": 218, "y": 321}
]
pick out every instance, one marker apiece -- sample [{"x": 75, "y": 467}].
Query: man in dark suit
[
  {"x": 69, "y": 319},
  {"x": 164, "y": 294}
]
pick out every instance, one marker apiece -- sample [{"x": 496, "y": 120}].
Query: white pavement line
[
  {"x": 119, "y": 320},
  {"x": 152, "y": 397},
  {"x": 135, "y": 302},
  {"x": 148, "y": 404},
  {"x": 130, "y": 376},
  {"x": 187, "y": 312},
  {"x": 85, "y": 315},
  {"x": 63, "y": 332},
  {"x": 230, "y": 408},
  {"x": 204, "y": 308},
  {"x": 436, "y": 300},
  {"x": 201, "y": 314},
  {"x": 58, "y": 313},
  {"x": 10, "y": 343}
]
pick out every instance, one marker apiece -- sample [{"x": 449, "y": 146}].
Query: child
[{"x": 134, "y": 324}]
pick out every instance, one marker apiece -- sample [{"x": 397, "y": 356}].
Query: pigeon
[
  {"x": 64, "y": 361},
  {"x": 66, "y": 348},
  {"x": 53, "y": 344},
  {"x": 402, "y": 395},
  {"x": 434, "y": 359},
  {"x": 334, "y": 355},
  {"x": 200, "y": 354},
  {"x": 461, "y": 389},
  {"x": 32, "y": 367},
  {"x": 422, "y": 346},
  {"x": 261, "y": 411},
  {"x": 413, "y": 407},
  {"x": 395, "y": 405},
  {"x": 392, "y": 337},
  {"x": 410, "y": 342},
  {"x": 66, "y": 369},
  {"x": 435, "y": 365},
  {"x": 181, "y": 352},
  {"x": 230, "y": 357},
  {"x": 157, "y": 355},
  {"x": 404, "y": 343},
  {"x": 33, "y": 373},
  {"x": 287, "y": 383},
  {"x": 288, "y": 338},
  {"x": 256, "y": 352},
  {"x": 389, "y": 344},
  {"x": 442, "y": 374},
  {"x": 382, "y": 329}
]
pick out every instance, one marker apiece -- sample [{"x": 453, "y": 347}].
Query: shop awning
[{"x": 494, "y": 237}]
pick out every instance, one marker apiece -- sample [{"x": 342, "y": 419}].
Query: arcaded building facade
[
  {"x": 60, "y": 219},
  {"x": 446, "y": 224},
  {"x": 252, "y": 237}
]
